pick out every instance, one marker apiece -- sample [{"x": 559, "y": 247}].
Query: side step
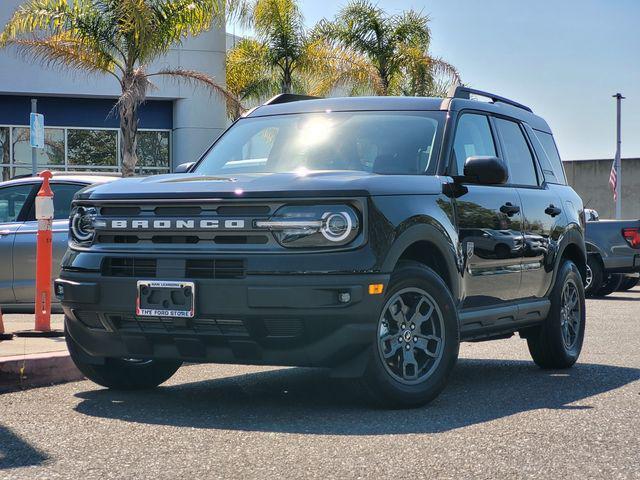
[{"x": 495, "y": 321}]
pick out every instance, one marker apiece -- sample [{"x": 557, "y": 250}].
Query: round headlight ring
[
  {"x": 331, "y": 229},
  {"x": 80, "y": 220}
]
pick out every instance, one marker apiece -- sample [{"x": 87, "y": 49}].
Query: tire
[
  {"x": 121, "y": 374},
  {"x": 557, "y": 342},
  {"x": 594, "y": 276},
  {"x": 395, "y": 378},
  {"x": 610, "y": 285},
  {"x": 628, "y": 283}
]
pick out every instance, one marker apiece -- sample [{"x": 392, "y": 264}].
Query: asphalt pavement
[{"x": 500, "y": 417}]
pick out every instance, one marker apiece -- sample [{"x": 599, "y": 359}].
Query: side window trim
[
  {"x": 537, "y": 169},
  {"x": 451, "y": 159}
]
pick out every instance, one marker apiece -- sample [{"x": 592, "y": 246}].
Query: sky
[{"x": 563, "y": 58}]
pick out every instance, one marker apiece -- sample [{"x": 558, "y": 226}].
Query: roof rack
[
  {"x": 466, "y": 92},
  {"x": 288, "y": 97}
]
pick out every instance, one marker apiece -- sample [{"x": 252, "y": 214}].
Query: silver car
[{"x": 18, "y": 229}]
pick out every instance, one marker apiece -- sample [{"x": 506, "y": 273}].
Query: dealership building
[{"x": 177, "y": 122}]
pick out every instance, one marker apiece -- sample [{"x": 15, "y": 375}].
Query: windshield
[{"x": 393, "y": 143}]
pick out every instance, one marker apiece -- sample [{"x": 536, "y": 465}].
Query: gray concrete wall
[
  {"x": 198, "y": 116},
  {"x": 590, "y": 178}
]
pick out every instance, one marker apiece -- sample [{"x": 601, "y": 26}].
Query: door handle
[
  {"x": 552, "y": 210},
  {"x": 5, "y": 232},
  {"x": 509, "y": 209}
]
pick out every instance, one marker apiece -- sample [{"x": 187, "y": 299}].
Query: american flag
[{"x": 613, "y": 181}]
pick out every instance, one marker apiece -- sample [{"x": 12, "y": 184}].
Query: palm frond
[
  {"x": 200, "y": 79},
  {"x": 64, "y": 51},
  {"x": 329, "y": 67}
]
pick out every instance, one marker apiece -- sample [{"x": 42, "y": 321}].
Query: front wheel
[
  {"x": 417, "y": 340},
  {"x": 557, "y": 343},
  {"x": 121, "y": 373}
]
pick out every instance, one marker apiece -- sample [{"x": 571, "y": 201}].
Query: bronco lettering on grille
[{"x": 168, "y": 224}]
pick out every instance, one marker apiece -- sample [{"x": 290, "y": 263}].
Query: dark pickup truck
[
  {"x": 613, "y": 254},
  {"x": 366, "y": 235}
]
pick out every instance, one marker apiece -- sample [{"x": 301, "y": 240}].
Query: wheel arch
[
  {"x": 572, "y": 247},
  {"x": 430, "y": 246}
]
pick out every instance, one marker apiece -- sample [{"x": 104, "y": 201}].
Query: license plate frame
[{"x": 150, "y": 292}]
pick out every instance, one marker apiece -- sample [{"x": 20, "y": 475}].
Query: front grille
[
  {"x": 129, "y": 267},
  {"x": 196, "y": 230},
  {"x": 215, "y": 268},
  {"x": 156, "y": 325}
]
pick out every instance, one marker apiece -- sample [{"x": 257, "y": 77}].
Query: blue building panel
[{"x": 82, "y": 112}]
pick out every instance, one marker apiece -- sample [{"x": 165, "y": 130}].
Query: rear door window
[
  {"x": 62, "y": 196},
  {"x": 522, "y": 170}
]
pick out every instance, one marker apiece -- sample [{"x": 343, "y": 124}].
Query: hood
[{"x": 263, "y": 185}]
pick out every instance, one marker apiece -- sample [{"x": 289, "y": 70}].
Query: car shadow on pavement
[
  {"x": 617, "y": 298},
  {"x": 308, "y": 401},
  {"x": 15, "y": 452}
]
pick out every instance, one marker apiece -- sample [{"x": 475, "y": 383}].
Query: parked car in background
[
  {"x": 18, "y": 228},
  {"x": 613, "y": 254}
]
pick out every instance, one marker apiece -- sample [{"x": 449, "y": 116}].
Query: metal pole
[
  {"x": 34, "y": 151},
  {"x": 618, "y": 160}
]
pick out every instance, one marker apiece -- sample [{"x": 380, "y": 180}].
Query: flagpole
[{"x": 618, "y": 160}]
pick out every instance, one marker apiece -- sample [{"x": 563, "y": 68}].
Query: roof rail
[
  {"x": 287, "y": 98},
  {"x": 466, "y": 92}
]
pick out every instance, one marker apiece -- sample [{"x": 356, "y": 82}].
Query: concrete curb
[{"x": 39, "y": 369}]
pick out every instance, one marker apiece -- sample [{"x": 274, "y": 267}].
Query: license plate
[{"x": 157, "y": 298}]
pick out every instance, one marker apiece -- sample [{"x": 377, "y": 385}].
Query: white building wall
[{"x": 198, "y": 116}]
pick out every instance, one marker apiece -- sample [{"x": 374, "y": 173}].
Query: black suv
[{"x": 368, "y": 235}]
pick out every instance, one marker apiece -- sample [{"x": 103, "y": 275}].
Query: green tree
[
  {"x": 395, "y": 46},
  {"x": 118, "y": 38},
  {"x": 285, "y": 58}
]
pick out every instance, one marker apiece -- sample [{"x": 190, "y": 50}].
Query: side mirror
[
  {"x": 485, "y": 170},
  {"x": 184, "y": 167}
]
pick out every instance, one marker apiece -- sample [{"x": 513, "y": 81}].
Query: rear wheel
[
  {"x": 558, "y": 341},
  {"x": 609, "y": 285},
  {"x": 121, "y": 373},
  {"x": 417, "y": 340},
  {"x": 628, "y": 283},
  {"x": 593, "y": 280}
]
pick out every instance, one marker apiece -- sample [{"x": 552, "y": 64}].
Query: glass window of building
[
  {"x": 5, "y": 152},
  {"x": 153, "y": 152},
  {"x": 92, "y": 149}
]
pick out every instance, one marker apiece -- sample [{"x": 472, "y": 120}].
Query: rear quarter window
[{"x": 549, "y": 158}]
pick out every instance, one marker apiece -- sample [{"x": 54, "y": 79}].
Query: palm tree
[
  {"x": 118, "y": 38},
  {"x": 285, "y": 58},
  {"x": 396, "y": 47}
]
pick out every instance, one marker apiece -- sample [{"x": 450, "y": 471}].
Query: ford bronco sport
[{"x": 368, "y": 235}]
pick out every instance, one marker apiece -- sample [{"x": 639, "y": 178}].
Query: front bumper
[{"x": 297, "y": 320}]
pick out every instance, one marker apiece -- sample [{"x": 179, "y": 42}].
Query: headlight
[
  {"x": 313, "y": 225},
  {"x": 82, "y": 224}
]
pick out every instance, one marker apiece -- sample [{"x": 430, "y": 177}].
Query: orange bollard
[
  {"x": 44, "y": 259},
  {"x": 3, "y": 335}
]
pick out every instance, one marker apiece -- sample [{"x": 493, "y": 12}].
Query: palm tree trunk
[{"x": 128, "y": 139}]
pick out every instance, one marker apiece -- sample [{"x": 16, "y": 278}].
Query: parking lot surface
[{"x": 500, "y": 417}]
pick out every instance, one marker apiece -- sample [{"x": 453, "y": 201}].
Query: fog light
[
  {"x": 344, "y": 297},
  {"x": 376, "y": 288},
  {"x": 58, "y": 290}
]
